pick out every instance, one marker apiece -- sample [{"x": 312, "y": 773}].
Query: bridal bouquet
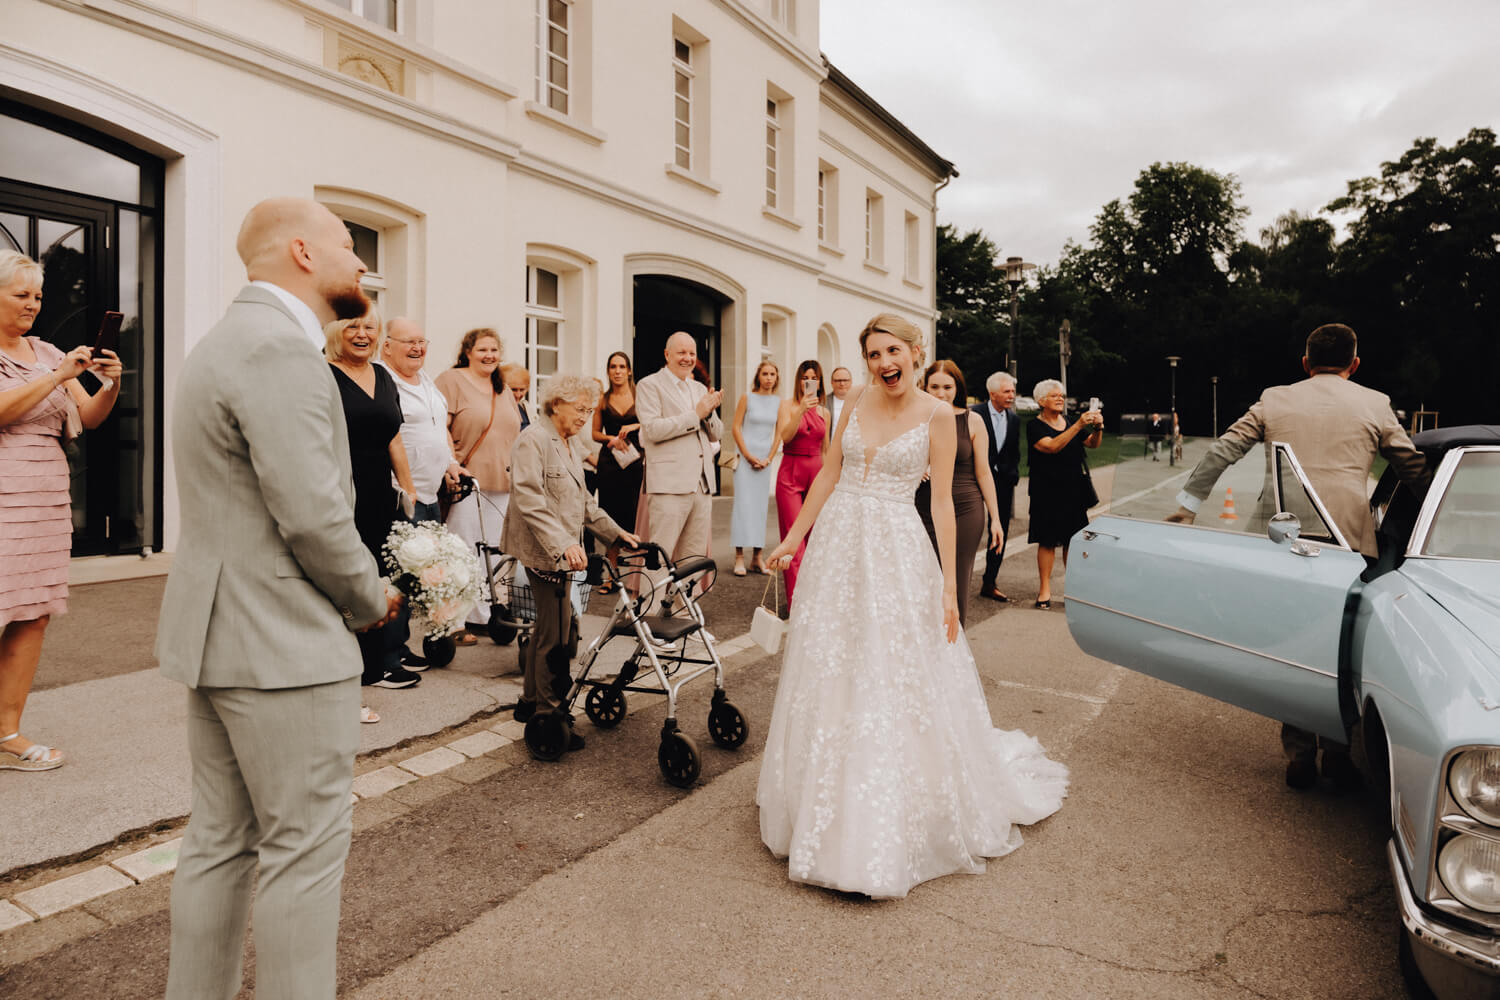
[{"x": 439, "y": 574}]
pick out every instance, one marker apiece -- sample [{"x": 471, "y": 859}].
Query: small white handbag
[{"x": 766, "y": 626}]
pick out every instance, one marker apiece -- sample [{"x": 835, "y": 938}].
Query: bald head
[
  {"x": 303, "y": 248},
  {"x": 404, "y": 348},
  {"x": 681, "y": 354}
]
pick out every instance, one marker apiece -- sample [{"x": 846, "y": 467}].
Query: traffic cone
[{"x": 1228, "y": 513}]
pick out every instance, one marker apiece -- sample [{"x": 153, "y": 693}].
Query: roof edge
[{"x": 944, "y": 168}]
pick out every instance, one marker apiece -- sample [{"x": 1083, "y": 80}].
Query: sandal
[
  {"x": 465, "y": 639},
  {"x": 368, "y": 715},
  {"x": 607, "y": 588},
  {"x": 36, "y": 758},
  {"x": 739, "y": 569},
  {"x": 1044, "y": 605}
]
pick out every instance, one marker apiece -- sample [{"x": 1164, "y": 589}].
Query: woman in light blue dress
[{"x": 754, "y": 431}]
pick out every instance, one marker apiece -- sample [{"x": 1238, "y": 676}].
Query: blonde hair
[
  {"x": 334, "y": 332},
  {"x": 12, "y": 263},
  {"x": 567, "y": 389},
  {"x": 903, "y": 330}
]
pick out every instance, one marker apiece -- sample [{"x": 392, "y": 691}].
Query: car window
[
  {"x": 1148, "y": 491},
  {"x": 1466, "y": 524},
  {"x": 1296, "y": 499}
]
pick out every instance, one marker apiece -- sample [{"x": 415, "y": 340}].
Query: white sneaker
[
  {"x": 660, "y": 645},
  {"x": 707, "y": 635}
]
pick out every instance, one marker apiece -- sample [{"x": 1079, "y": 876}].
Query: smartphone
[
  {"x": 809, "y": 387},
  {"x": 109, "y": 334},
  {"x": 1094, "y": 404}
]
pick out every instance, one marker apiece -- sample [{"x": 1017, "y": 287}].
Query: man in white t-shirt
[{"x": 424, "y": 415}]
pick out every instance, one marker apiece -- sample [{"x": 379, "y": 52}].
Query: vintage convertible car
[{"x": 1287, "y": 621}]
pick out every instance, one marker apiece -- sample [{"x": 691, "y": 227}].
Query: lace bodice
[{"x": 891, "y": 470}]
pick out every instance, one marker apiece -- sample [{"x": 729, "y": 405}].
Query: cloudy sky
[{"x": 1051, "y": 108}]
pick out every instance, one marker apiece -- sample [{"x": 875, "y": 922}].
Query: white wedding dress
[{"x": 882, "y": 768}]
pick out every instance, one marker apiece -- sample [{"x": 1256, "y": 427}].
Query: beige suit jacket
[
  {"x": 679, "y": 446},
  {"x": 549, "y": 505},
  {"x": 269, "y": 575},
  {"x": 1335, "y": 428}
]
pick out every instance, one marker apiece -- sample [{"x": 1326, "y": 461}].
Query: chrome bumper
[{"x": 1456, "y": 965}]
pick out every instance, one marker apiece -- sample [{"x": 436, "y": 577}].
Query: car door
[{"x": 1233, "y": 615}]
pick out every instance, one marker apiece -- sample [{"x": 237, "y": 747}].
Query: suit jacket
[
  {"x": 269, "y": 577},
  {"x": 1336, "y": 428},
  {"x": 678, "y": 445},
  {"x": 549, "y": 503},
  {"x": 1005, "y": 459}
]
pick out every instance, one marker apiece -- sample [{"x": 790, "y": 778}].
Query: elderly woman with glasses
[
  {"x": 1059, "y": 470},
  {"x": 549, "y": 508}
]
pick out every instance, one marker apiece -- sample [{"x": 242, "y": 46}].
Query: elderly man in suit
[
  {"x": 1336, "y": 428},
  {"x": 268, "y": 584},
  {"x": 678, "y": 428},
  {"x": 999, "y": 416}
]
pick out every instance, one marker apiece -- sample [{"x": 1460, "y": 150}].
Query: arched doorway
[{"x": 662, "y": 305}]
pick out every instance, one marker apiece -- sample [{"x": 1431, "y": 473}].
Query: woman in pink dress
[
  {"x": 39, "y": 394},
  {"x": 802, "y": 428}
]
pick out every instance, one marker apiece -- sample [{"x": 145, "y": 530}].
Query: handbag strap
[
  {"x": 470, "y": 453},
  {"x": 773, "y": 579}
]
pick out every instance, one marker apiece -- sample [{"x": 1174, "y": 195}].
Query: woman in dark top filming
[{"x": 1060, "y": 489}]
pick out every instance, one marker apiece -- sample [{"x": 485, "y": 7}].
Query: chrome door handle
[
  {"x": 1090, "y": 534},
  {"x": 1306, "y": 550}
]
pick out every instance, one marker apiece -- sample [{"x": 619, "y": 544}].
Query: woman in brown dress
[
  {"x": 973, "y": 484},
  {"x": 39, "y": 394}
]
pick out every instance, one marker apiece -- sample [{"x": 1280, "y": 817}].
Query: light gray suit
[
  {"x": 679, "y": 462},
  {"x": 268, "y": 580}
]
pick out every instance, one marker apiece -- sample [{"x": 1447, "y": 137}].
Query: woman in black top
[
  {"x": 372, "y": 411},
  {"x": 617, "y": 429},
  {"x": 1057, "y": 477}
]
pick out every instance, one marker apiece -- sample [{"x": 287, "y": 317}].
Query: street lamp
[
  {"x": 1015, "y": 276},
  {"x": 1172, "y": 360},
  {"x": 1215, "y": 380},
  {"x": 1064, "y": 351}
]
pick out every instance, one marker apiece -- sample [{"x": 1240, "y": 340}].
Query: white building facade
[{"x": 645, "y": 167}]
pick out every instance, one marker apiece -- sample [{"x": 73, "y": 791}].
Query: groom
[{"x": 268, "y": 583}]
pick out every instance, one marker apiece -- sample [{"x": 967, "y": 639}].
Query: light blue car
[{"x": 1288, "y": 621}]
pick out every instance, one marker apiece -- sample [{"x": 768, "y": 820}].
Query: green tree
[{"x": 973, "y": 304}]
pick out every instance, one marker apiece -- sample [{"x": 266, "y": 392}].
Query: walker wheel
[
  {"x": 678, "y": 759},
  {"x": 499, "y": 628},
  {"x": 605, "y": 706},
  {"x": 439, "y": 651},
  {"x": 546, "y": 736},
  {"x": 727, "y": 726}
]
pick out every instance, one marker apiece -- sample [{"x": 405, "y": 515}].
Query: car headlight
[
  {"x": 1474, "y": 782},
  {"x": 1470, "y": 867}
]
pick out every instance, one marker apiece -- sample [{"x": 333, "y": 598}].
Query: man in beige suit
[
  {"x": 1335, "y": 428},
  {"x": 678, "y": 427},
  {"x": 267, "y": 585}
]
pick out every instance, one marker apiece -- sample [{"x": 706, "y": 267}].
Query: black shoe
[
  {"x": 524, "y": 711},
  {"x": 398, "y": 677},
  {"x": 993, "y": 594},
  {"x": 1339, "y": 769},
  {"x": 575, "y": 741},
  {"x": 1302, "y": 774},
  {"x": 414, "y": 661}
]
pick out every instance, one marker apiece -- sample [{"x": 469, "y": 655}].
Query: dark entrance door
[
  {"x": 77, "y": 241},
  {"x": 665, "y": 305}
]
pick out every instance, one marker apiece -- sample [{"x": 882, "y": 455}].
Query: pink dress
[
  {"x": 801, "y": 461},
  {"x": 36, "y": 520}
]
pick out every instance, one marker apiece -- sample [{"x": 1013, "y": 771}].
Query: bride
[{"x": 881, "y": 768}]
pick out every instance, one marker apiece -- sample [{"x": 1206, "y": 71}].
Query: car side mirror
[{"x": 1284, "y": 527}]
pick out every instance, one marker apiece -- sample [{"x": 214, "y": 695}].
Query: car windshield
[{"x": 1467, "y": 522}]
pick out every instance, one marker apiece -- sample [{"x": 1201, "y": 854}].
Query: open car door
[{"x": 1252, "y": 618}]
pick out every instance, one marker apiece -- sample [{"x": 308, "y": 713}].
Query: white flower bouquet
[{"x": 439, "y": 574}]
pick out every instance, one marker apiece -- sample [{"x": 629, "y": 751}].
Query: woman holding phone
[{"x": 802, "y": 429}]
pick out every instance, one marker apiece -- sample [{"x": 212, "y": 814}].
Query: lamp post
[
  {"x": 1015, "y": 276},
  {"x": 1215, "y": 380},
  {"x": 1172, "y": 360},
  {"x": 1064, "y": 351}
]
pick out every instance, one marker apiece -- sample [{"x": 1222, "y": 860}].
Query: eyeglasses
[{"x": 414, "y": 343}]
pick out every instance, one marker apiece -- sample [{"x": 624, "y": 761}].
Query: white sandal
[
  {"x": 368, "y": 715},
  {"x": 38, "y": 758}
]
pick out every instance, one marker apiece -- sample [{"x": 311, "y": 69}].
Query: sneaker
[
  {"x": 524, "y": 710},
  {"x": 414, "y": 662},
  {"x": 707, "y": 635},
  {"x": 398, "y": 677}
]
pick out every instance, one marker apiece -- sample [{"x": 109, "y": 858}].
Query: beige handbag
[
  {"x": 729, "y": 458},
  {"x": 766, "y": 626}
]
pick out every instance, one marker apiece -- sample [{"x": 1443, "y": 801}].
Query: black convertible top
[{"x": 1435, "y": 443}]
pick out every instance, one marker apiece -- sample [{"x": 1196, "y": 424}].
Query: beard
[{"x": 348, "y": 303}]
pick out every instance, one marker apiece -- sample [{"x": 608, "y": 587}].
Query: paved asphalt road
[{"x": 1180, "y": 866}]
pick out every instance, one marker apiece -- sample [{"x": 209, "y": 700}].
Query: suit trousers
[
  {"x": 681, "y": 523},
  {"x": 272, "y": 771},
  {"x": 1005, "y": 497}
]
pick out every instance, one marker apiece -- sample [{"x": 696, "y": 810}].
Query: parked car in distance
[{"x": 1405, "y": 653}]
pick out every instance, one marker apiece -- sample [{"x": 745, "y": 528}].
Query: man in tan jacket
[
  {"x": 1335, "y": 428},
  {"x": 678, "y": 427}
]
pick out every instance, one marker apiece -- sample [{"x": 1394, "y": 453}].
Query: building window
[
  {"x": 367, "y": 248},
  {"x": 828, "y": 204},
  {"x": 784, "y": 13},
  {"x": 773, "y": 161},
  {"x": 822, "y": 206},
  {"x": 385, "y": 13},
  {"x": 544, "y": 326},
  {"x": 554, "y": 49},
  {"x": 682, "y": 103},
  {"x": 874, "y": 228},
  {"x": 913, "y": 247}
]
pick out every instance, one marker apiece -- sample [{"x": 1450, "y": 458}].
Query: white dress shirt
[
  {"x": 301, "y": 310},
  {"x": 997, "y": 425}
]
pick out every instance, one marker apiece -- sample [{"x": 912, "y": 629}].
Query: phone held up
[
  {"x": 1094, "y": 404},
  {"x": 109, "y": 334}
]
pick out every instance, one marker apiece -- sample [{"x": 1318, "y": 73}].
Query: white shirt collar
[{"x": 301, "y": 311}]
